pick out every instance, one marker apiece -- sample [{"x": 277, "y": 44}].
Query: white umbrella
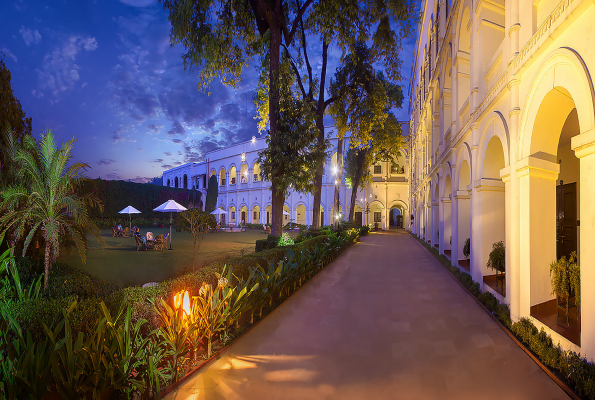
[
  {"x": 219, "y": 211},
  {"x": 285, "y": 212},
  {"x": 129, "y": 210},
  {"x": 170, "y": 206}
]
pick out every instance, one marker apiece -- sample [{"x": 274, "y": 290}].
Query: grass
[{"x": 121, "y": 264}]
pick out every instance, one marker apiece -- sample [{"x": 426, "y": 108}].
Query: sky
[{"x": 104, "y": 72}]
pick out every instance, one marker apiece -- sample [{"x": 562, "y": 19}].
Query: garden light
[
  {"x": 182, "y": 299},
  {"x": 336, "y": 181}
]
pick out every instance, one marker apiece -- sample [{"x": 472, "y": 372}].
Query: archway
[
  {"x": 222, "y": 177},
  {"x": 168, "y": 183},
  {"x": 286, "y": 215},
  {"x": 176, "y": 183},
  {"x": 222, "y": 216},
  {"x": 244, "y": 173},
  {"x": 233, "y": 175},
  {"x": 395, "y": 217},
  {"x": 463, "y": 206},
  {"x": 269, "y": 211},
  {"x": 301, "y": 217},
  {"x": 256, "y": 214},
  {"x": 256, "y": 176},
  {"x": 232, "y": 214},
  {"x": 550, "y": 205},
  {"x": 243, "y": 214},
  {"x": 185, "y": 181},
  {"x": 446, "y": 236}
]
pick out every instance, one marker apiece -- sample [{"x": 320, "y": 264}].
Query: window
[
  {"x": 233, "y": 180},
  {"x": 394, "y": 169},
  {"x": 377, "y": 169},
  {"x": 223, "y": 182},
  {"x": 255, "y": 177},
  {"x": 233, "y": 215},
  {"x": 377, "y": 216},
  {"x": 255, "y": 216}
]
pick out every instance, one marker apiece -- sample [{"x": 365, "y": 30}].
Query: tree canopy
[
  {"x": 212, "y": 193},
  {"x": 12, "y": 117}
]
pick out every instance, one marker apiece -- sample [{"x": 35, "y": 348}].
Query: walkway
[{"x": 383, "y": 321}]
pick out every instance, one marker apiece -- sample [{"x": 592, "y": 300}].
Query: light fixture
[
  {"x": 253, "y": 139},
  {"x": 243, "y": 156},
  {"x": 334, "y": 170},
  {"x": 336, "y": 181}
]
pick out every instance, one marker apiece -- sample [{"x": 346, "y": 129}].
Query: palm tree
[{"x": 45, "y": 199}]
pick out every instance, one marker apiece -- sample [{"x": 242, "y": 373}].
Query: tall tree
[
  {"x": 385, "y": 23},
  {"x": 12, "y": 117},
  {"x": 46, "y": 199},
  {"x": 212, "y": 193},
  {"x": 220, "y": 37},
  {"x": 363, "y": 110}
]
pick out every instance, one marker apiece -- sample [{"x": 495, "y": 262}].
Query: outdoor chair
[
  {"x": 160, "y": 242},
  {"x": 114, "y": 231},
  {"x": 150, "y": 240},
  {"x": 139, "y": 243},
  {"x": 126, "y": 232}
]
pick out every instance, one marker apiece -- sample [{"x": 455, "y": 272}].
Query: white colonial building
[
  {"x": 503, "y": 147},
  {"x": 246, "y": 198}
]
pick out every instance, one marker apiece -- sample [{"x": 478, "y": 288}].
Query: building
[
  {"x": 503, "y": 147},
  {"x": 247, "y": 199}
]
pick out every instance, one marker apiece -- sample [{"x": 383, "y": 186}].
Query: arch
[
  {"x": 494, "y": 126},
  {"x": 399, "y": 203},
  {"x": 447, "y": 181},
  {"x": 213, "y": 172},
  {"x": 255, "y": 213},
  {"x": 233, "y": 174},
  {"x": 222, "y": 176},
  {"x": 185, "y": 181},
  {"x": 256, "y": 171},
  {"x": 168, "y": 183},
  {"x": 565, "y": 71},
  {"x": 176, "y": 183},
  {"x": 244, "y": 178},
  {"x": 243, "y": 217},
  {"x": 463, "y": 158},
  {"x": 301, "y": 214},
  {"x": 232, "y": 214}
]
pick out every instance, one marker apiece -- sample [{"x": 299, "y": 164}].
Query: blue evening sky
[{"x": 104, "y": 72}]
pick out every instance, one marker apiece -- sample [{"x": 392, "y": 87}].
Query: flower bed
[{"x": 151, "y": 342}]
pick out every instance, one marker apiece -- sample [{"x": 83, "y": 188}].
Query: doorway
[
  {"x": 566, "y": 220},
  {"x": 358, "y": 218}
]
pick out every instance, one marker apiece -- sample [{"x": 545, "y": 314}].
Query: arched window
[{"x": 176, "y": 185}]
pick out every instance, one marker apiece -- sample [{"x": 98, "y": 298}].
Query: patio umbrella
[
  {"x": 170, "y": 206},
  {"x": 129, "y": 210},
  {"x": 285, "y": 212},
  {"x": 218, "y": 211}
]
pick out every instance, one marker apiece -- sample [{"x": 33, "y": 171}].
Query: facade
[
  {"x": 502, "y": 145},
  {"x": 247, "y": 199}
]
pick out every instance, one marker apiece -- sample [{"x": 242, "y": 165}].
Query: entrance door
[
  {"x": 243, "y": 217},
  {"x": 566, "y": 222},
  {"x": 399, "y": 221},
  {"x": 268, "y": 217},
  {"x": 358, "y": 218}
]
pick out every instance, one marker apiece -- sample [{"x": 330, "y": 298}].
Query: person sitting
[
  {"x": 141, "y": 238},
  {"x": 119, "y": 228}
]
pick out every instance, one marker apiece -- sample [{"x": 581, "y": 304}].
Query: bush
[{"x": 364, "y": 230}]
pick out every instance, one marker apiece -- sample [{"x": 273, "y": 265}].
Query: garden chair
[
  {"x": 160, "y": 242},
  {"x": 114, "y": 231},
  {"x": 126, "y": 232},
  {"x": 139, "y": 243},
  {"x": 150, "y": 240}
]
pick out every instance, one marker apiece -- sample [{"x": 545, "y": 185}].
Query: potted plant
[
  {"x": 467, "y": 248},
  {"x": 565, "y": 277},
  {"x": 375, "y": 226},
  {"x": 497, "y": 261}
]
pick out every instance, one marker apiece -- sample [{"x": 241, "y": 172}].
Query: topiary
[
  {"x": 497, "y": 257},
  {"x": 467, "y": 248}
]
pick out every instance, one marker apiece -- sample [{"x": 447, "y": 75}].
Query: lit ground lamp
[{"x": 182, "y": 299}]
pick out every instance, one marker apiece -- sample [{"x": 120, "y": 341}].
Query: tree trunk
[
  {"x": 46, "y": 264},
  {"x": 278, "y": 195},
  {"x": 361, "y": 156},
  {"x": 337, "y": 201},
  {"x": 320, "y": 143},
  {"x": 353, "y": 198}
]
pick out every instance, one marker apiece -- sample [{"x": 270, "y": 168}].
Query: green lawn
[{"x": 121, "y": 264}]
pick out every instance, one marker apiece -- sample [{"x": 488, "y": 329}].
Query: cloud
[
  {"x": 139, "y": 3},
  {"x": 167, "y": 153},
  {"x": 167, "y": 166},
  {"x": 60, "y": 71},
  {"x": 177, "y": 141},
  {"x": 113, "y": 176},
  {"x": 157, "y": 160},
  {"x": 9, "y": 54},
  {"x": 116, "y": 136},
  {"x": 139, "y": 179},
  {"x": 154, "y": 128},
  {"x": 105, "y": 161},
  {"x": 30, "y": 36},
  {"x": 176, "y": 129}
]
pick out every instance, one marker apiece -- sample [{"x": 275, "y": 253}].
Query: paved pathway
[{"x": 383, "y": 321}]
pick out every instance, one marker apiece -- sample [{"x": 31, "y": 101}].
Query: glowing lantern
[{"x": 182, "y": 299}]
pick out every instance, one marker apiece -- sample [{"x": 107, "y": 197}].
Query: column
[
  {"x": 537, "y": 229},
  {"x": 463, "y": 207},
  {"x": 584, "y": 149}
]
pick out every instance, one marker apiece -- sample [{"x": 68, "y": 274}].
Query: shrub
[
  {"x": 467, "y": 248},
  {"x": 497, "y": 259},
  {"x": 364, "y": 230}
]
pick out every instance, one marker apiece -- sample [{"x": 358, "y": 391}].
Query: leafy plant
[
  {"x": 467, "y": 248},
  {"x": 497, "y": 257},
  {"x": 213, "y": 309},
  {"x": 565, "y": 275},
  {"x": 197, "y": 223}
]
